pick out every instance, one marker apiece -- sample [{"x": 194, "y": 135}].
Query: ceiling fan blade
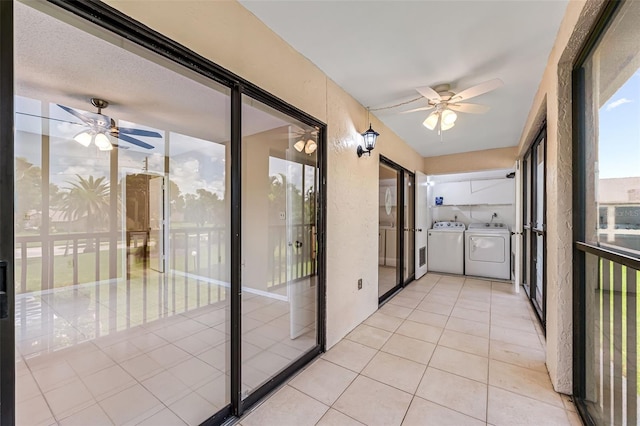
[
  {"x": 48, "y": 118},
  {"x": 138, "y": 132},
  {"x": 134, "y": 141},
  {"x": 429, "y": 93},
  {"x": 478, "y": 90},
  {"x": 469, "y": 108},
  {"x": 427, "y": 108},
  {"x": 78, "y": 114}
]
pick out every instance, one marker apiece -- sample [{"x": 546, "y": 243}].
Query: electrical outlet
[{"x": 360, "y": 284}]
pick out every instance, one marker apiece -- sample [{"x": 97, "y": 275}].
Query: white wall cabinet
[
  {"x": 475, "y": 192},
  {"x": 452, "y": 193},
  {"x": 493, "y": 191}
]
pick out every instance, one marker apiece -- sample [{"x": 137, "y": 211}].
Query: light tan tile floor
[
  {"x": 171, "y": 370},
  {"x": 446, "y": 350}
]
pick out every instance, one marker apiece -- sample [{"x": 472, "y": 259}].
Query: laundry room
[
  {"x": 487, "y": 196},
  {"x": 471, "y": 217}
]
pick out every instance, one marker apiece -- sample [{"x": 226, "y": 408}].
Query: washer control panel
[{"x": 449, "y": 225}]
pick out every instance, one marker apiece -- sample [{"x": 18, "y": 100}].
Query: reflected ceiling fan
[
  {"x": 101, "y": 126},
  {"x": 446, "y": 103}
]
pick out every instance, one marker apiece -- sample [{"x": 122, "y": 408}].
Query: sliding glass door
[
  {"x": 167, "y": 251},
  {"x": 534, "y": 235},
  {"x": 388, "y": 231},
  {"x": 279, "y": 245},
  {"x": 396, "y": 231}
]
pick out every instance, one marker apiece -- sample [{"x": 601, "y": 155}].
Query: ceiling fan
[
  {"x": 101, "y": 126},
  {"x": 446, "y": 103}
]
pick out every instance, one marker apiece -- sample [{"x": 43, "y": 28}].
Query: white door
[{"x": 422, "y": 224}]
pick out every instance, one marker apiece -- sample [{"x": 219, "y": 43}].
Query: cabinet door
[
  {"x": 453, "y": 193},
  {"x": 492, "y": 191}
]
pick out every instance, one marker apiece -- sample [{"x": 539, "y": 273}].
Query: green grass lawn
[{"x": 63, "y": 267}]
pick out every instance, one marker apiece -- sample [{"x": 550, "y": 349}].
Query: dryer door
[{"x": 487, "y": 248}]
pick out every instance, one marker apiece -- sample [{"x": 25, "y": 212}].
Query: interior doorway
[{"x": 144, "y": 222}]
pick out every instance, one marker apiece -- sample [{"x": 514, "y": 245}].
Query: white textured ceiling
[
  {"x": 58, "y": 63},
  {"x": 379, "y": 51}
]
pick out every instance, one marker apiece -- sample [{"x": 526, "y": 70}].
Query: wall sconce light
[{"x": 370, "y": 137}]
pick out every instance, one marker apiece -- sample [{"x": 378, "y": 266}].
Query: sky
[{"x": 619, "y": 139}]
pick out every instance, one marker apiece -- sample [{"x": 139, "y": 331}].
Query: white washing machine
[
  {"x": 445, "y": 248},
  {"x": 488, "y": 250}
]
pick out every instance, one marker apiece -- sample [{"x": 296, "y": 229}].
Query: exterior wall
[
  {"x": 229, "y": 35},
  {"x": 554, "y": 98},
  {"x": 488, "y": 159}
]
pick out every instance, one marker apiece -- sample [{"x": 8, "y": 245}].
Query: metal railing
[
  {"x": 611, "y": 316},
  {"x": 86, "y": 270}
]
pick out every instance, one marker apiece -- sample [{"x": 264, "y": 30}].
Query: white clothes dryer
[
  {"x": 445, "y": 248},
  {"x": 488, "y": 250}
]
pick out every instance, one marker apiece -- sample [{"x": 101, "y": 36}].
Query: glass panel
[
  {"x": 409, "y": 226},
  {"x": 122, "y": 219},
  {"x": 528, "y": 185},
  {"x": 279, "y": 222},
  {"x": 540, "y": 186},
  {"x": 388, "y": 230},
  {"x": 539, "y": 271},
  {"x": 612, "y": 76},
  {"x": 526, "y": 234},
  {"x": 611, "y": 89}
]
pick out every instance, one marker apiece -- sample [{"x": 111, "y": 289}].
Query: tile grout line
[{"x": 486, "y": 419}]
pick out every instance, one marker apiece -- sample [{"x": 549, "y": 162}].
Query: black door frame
[
  {"x": 112, "y": 20},
  {"x": 400, "y": 238},
  {"x": 530, "y": 231},
  {"x": 7, "y": 327}
]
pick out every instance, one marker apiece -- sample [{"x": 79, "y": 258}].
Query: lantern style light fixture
[{"x": 370, "y": 137}]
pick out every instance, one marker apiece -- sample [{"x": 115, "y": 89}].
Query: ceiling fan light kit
[
  {"x": 102, "y": 142},
  {"x": 446, "y": 103},
  {"x": 84, "y": 138},
  {"x": 309, "y": 146}
]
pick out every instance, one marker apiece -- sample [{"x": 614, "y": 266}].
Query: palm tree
[{"x": 88, "y": 198}]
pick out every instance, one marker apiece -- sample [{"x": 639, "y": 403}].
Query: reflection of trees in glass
[
  {"x": 29, "y": 190},
  {"x": 278, "y": 187},
  {"x": 88, "y": 199},
  {"x": 204, "y": 207},
  {"x": 176, "y": 202}
]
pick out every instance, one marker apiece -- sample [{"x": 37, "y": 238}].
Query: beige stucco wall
[
  {"x": 488, "y": 159},
  {"x": 554, "y": 97},
  {"x": 229, "y": 35}
]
